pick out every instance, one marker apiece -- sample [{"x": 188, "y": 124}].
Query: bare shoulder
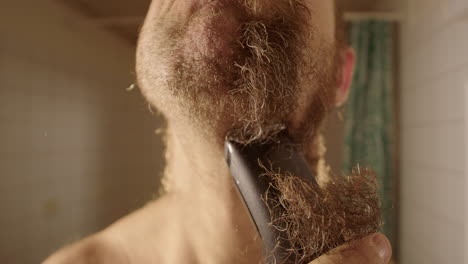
[
  {"x": 95, "y": 249},
  {"x": 135, "y": 238}
]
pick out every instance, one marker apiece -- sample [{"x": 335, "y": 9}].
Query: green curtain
[{"x": 369, "y": 111}]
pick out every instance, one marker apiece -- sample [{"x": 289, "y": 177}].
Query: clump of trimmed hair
[{"x": 312, "y": 220}]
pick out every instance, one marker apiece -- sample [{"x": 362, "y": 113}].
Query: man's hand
[{"x": 375, "y": 249}]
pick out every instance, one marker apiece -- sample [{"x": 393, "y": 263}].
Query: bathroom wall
[
  {"x": 77, "y": 150},
  {"x": 434, "y": 70},
  {"x": 357, "y": 5},
  {"x": 432, "y": 73}
]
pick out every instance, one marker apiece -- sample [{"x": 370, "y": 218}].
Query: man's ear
[{"x": 349, "y": 60}]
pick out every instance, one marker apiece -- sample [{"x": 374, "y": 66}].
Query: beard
[{"x": 248, "y": 68}]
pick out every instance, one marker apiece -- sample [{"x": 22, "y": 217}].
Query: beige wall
[
  {"x": 390, "y": 5},
  {"x": 357, "y": 5},
  {"x": 434, "y": 61},
  {"x": 372, "y": 5},
  {"x": 77, "y": 150}
]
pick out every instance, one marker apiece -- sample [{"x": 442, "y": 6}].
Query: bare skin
[
  {"x": 178, "y": 228},
  {"x": 201, "y": 219}
]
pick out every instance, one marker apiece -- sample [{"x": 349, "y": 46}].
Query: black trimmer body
[{"x": 245, "y": 163}]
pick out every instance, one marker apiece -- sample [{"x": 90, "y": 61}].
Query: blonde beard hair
[{"x": 323, "y": 168}]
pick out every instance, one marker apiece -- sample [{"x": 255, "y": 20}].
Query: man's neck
[{"x": 215, "y": 221}]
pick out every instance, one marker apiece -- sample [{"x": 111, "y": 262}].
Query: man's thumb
[{"x": 375, "y": 249}]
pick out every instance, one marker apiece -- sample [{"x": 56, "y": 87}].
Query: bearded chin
[{"x": 252, "y": 70}]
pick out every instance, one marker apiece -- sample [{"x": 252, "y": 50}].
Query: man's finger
[{"x": 375, "y": 249}]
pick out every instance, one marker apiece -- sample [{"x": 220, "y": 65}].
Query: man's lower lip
[{"x": 214, "y": 28}]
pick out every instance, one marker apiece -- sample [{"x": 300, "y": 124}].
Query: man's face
[{"x": 249, "y": 65}]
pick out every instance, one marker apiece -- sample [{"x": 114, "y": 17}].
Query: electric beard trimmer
[{"x": 246, "y": 165}]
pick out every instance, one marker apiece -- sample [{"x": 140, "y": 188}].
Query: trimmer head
[{"x": 245, "y": 163}]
